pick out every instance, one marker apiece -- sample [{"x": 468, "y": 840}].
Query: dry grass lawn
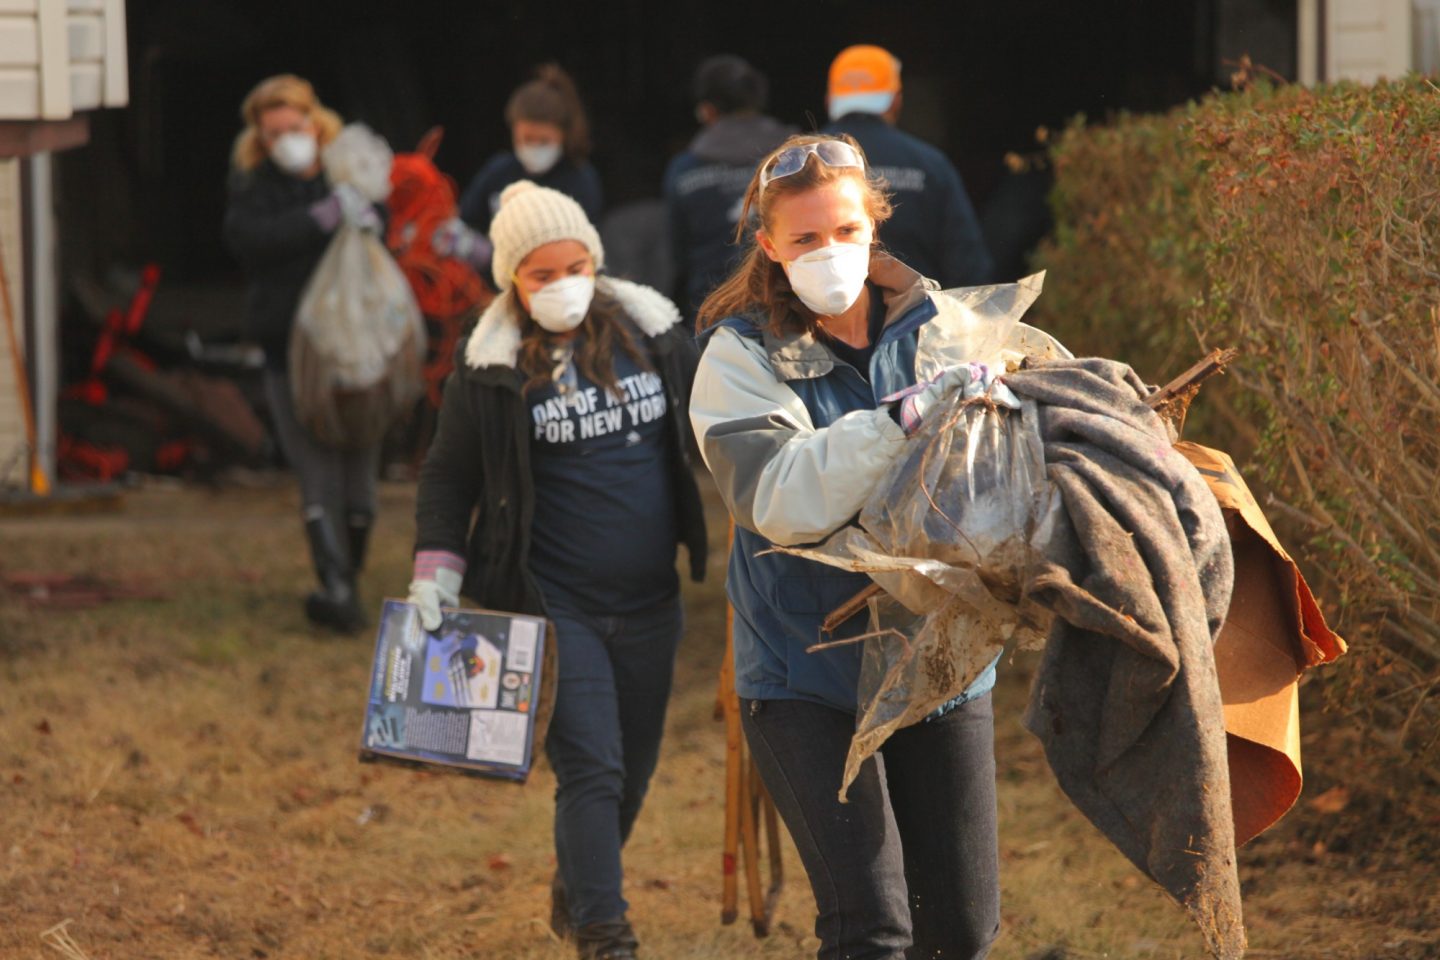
[{"x": 179, "y": 781}]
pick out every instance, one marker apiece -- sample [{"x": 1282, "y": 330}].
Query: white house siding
[
  {"x": 1367, "y": 39},
  {"x": 58, "y": 57}
]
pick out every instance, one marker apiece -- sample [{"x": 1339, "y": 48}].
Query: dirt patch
[{"x": 179, "y": 780}]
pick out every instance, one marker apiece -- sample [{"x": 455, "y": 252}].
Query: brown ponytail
[
  {"x": 760, "y": 283},
  {"x": 552, "y": 98}
]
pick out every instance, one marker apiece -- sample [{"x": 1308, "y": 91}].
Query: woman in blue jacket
[{"x": 814, "y": 327}]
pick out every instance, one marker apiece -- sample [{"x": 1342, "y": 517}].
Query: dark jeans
[
  {"x": 913, "y": 857},
  {"x": 604, "y": 741}
]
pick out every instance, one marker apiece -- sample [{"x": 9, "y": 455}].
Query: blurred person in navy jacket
[
  {"x": 705, "y": 184},
  {"x": 934, "y": 229}
]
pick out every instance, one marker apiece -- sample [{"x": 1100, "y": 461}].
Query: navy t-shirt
[{"x": 604, "y": 533}]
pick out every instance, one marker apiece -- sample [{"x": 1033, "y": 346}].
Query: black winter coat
[
  {"x": 479, "y": 466},
  {"x": 269, "y": 229}
]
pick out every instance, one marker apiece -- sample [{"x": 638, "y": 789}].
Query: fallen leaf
[
  {"x": 1332, "y": 801},
  {"x": 499, "y": 861}
]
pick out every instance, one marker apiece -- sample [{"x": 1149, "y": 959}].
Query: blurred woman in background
[
  {"x": 281, "y": 214},
  {"x": 550, "y": 145}
]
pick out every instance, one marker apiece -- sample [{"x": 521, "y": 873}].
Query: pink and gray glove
[
  {"x": 913, "y": 403},
  {"x": 971, "y": 379},
  {"x": 435, "y": 583}
]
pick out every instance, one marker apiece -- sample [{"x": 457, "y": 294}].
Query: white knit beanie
[{"x": 531, "y": 216}]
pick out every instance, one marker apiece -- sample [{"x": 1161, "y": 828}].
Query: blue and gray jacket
[{"x": 797, "y": 440}]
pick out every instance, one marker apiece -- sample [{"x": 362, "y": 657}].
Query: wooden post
[
  {"x": 730, "y": 709},
  {"x": 748, "y": 806}
]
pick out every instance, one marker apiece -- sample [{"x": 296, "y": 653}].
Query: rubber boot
[
  {"x": 611, "y": 940},
  {"x": 357, "y": 530},
  {"x": 335, "y": 604}
]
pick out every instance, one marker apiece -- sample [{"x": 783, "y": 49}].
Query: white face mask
[
  {"x": 830, "y": 279},
  {"x": 294, "y": 152},
  {"x": 538, "y": 158},
  {"x": 562, "y": 306}
]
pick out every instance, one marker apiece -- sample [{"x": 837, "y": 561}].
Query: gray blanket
[{"x": 1138, "y": 570}]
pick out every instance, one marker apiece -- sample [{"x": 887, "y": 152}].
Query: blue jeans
[
  {"x": 603, "y": 743},
  {"x": 910, "y": 866}
]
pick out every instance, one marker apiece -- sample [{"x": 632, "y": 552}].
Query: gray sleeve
[{"x": 780, "y": 475}]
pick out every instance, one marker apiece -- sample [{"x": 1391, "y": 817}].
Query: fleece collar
[{"x": 495, "y": 340}]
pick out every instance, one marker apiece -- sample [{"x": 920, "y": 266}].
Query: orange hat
[{"x": 863, "y": 79}]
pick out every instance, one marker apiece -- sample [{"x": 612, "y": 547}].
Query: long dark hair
[
  {"x": 605, "y": 330},
  {"x": 552, "y": 98},
  {"x": 759, "y": 283}
]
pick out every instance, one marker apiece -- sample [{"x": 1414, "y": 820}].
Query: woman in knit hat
[{"x": 563, "y": 432}]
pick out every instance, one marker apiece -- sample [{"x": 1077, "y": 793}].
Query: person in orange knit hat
[{"x": 934, "y": 229}]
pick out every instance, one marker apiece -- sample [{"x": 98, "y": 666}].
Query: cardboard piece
[
  {"x": 1273, "y": 633},
  {"x": 476, "y": 695}
]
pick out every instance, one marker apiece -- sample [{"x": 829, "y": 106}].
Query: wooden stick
[
  {"x": 1172, "y": 401},
  {"x": 730, "y": 706},
  {"x": 847, "y": 610}
]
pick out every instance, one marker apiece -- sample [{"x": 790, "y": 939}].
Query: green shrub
[{"x": 1302, "y": 226}]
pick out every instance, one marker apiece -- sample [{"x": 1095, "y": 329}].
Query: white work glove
[
  {"x": 355, "y": 209},
  {"x": 435, "y": 584}
]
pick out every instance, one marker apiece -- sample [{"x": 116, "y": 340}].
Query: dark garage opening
[{"x": 980, "y": 78}]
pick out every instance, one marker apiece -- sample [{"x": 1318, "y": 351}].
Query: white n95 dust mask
[
  {"x": 562, "y": 306},
  {"x": 830, "y": 279},
  {"x": 538, "y": 158},
  {"x": 294, "y": 152}
]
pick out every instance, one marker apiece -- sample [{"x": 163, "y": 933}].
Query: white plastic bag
[{"x": 358, "y": 342}]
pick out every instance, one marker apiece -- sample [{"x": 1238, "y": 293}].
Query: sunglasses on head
[{"x": 791, "y": 160}]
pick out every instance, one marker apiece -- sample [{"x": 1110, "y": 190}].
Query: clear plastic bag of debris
[
  {"x": 357, "y": 347},
  {"x": 947, "y": 532}
]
